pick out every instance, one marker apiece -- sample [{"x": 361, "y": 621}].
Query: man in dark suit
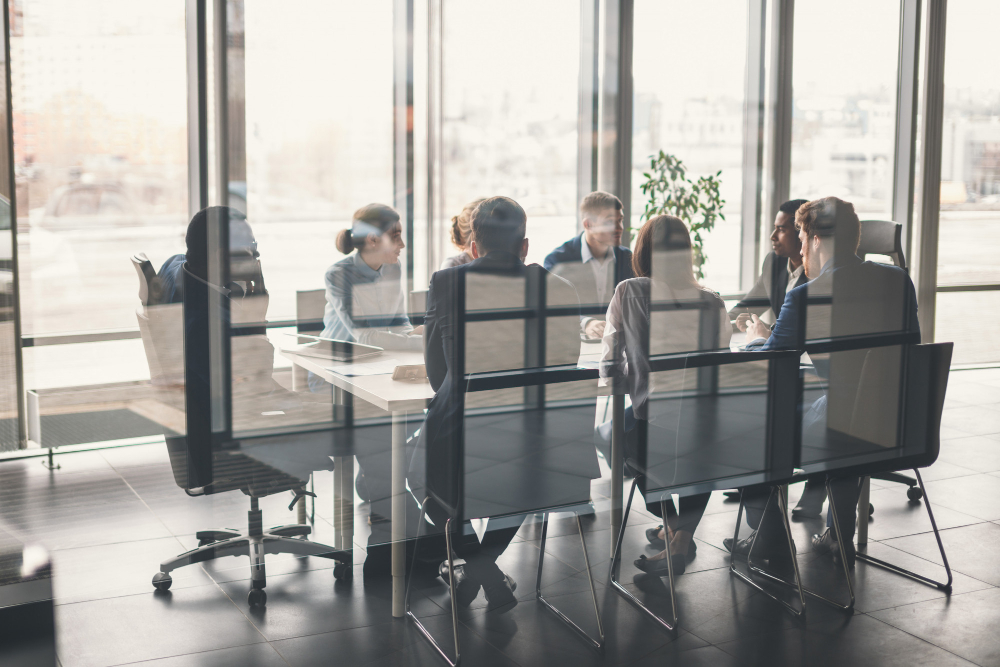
[
  {"x": 844, "y": 297},
  {"x": 482, "y": 464},
  {"x": 781, "y": 272},
  {"x": 595, "y": 261}
]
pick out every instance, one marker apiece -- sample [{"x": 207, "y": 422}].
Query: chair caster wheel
[
  {"x": 162, "y": 581},
  {"x": 343, "y": 571},
  {"x": 871, "y": 510},
  {"x": 256, "y": 598},
  {"x": 914, "y": 493}
]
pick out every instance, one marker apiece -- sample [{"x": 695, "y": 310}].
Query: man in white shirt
[{"x": 595, "y": 261}]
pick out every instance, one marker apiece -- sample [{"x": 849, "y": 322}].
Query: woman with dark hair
[
  {"x": 364, "y": 291},
  {"x": 663, "y": 263},
  {"x": 461, "y": 235}
]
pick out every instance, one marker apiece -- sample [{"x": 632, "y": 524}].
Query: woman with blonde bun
[
  {"x": 364, "y": 291},
  {"x": 461, "y": 235}
]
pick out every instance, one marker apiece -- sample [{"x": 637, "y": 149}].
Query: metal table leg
[
  {"x": 617, "y": 464},
  {"x": 398, "y": 514},
  {"x": 864, "y": 502},
  {"x": 343, "y": 502}
]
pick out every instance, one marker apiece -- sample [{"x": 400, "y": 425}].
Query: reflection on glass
[
  {"x": 970, "y": 169},
  {"x": 689, "y": 96},
  {"x": 509, "y": 126},
  {"x": 844, "y": 103}
]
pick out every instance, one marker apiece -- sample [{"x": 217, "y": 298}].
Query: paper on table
[{"x": 380, "y": 367}]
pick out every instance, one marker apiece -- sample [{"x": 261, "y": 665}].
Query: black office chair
[
  {"x": 149, "y": 284},
  {"x": 882, "y": 237},
  {"x": 202, "y": 470},
  {"x": 202, "y": 466}
]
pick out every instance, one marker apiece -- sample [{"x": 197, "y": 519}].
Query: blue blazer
[
  {"x": 868, "y": 298},
  {"x": 571, "y": 252}
]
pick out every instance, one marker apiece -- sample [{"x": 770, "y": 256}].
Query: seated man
[
  {"x": 845, "y": 297},
  {"x": 502, "y": 474},
  {"x": 594, "y": 262},
  {"x": 781, "y": 272}
]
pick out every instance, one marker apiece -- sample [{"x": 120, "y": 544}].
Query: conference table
[{"x": 399, "y": 397}]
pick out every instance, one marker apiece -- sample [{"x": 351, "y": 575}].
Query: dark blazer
[
  {"x": 571, "y": 252},
  {"x": 771, "y": 285},
  {"x": 867, "y": 298},
  {"x": 438, "y": 464}
]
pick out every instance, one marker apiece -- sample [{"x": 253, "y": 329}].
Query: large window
[
  {"x": 100, "y": 151},
  {"x": 844, "y": 80},
  {"x": 689, "y": 94},
  {"x": 969, "y": 237},
  {"x": 509, "y": 107}
]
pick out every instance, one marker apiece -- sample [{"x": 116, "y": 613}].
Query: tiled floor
[{"x": 109, "y": 517}]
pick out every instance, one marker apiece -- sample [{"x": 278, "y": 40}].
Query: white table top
[{"x": 379, "y": 390}]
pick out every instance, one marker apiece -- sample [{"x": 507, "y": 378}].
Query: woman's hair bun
[{"x": 344, "y": 242}]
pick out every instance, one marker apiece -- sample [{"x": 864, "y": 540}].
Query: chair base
[
  {"x": 797, "y": 584},
  {"x": 596, "y": 644},
  {"x": 614, "y": 570},
  {"x": 946, "y": 586},
  {"x": 256, "y": 543}
]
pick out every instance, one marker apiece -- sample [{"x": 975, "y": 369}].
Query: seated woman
[
  {"x": 663, "y": 262},
  {"x": 364, "y": 291},
  {"x": 461, "y": 235}
]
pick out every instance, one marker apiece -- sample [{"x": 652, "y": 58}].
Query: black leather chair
[
  {"x": 883, "y": 237},
  {"x": 204, "y": 463}
]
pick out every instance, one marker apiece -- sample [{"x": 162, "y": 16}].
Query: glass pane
[
  {"x": 100, "y": 151},
  {"x": 693, "y": 109},
  {"x": 976, "y": 339},
  {"x": 970, "y": 149},
  {"x": 844, "y": 105},
  {"x": 9, "y": 434},
  {"x": 510, "y": 125}
]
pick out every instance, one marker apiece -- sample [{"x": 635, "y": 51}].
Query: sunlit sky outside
[{"x": 319, "y": 124}]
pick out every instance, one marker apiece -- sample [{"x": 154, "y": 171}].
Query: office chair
[
  {"x": 193, "y": 464},
  {"x": 203, "y": 469},
  {"x": 882, "y": 237}
]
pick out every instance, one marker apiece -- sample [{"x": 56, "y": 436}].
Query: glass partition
[
  {"x": 689, "y": 97},
  {"x": 844, "y": 77}
]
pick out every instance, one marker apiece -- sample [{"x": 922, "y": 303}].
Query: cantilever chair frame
[
  {"x": 935, "y": 398},
  {"x": 507, "y": 380},
  {"x": 780, "y": 466}
]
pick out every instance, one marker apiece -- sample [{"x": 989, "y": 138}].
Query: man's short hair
[
  {"x": 597, "y": 202},
  {"x": 830, "y": 218},
  {"x": 791, "y": 206},
  {"x": 499, "y": 223}
]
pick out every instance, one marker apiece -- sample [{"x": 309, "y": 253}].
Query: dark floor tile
[
  {"x": 136, "y": 455},
  {"x": 475, "y": 650},
  {"x": 976, "y": 495},
  {"x": 355, "y": 646},
  {"x": 974, "y": 420},
  {"x": 979, "y": 452},
  {"x": 252, "y": 655},
  {"x": 855, "y": 640},
  {"x": 113, "y": 570},
  {"x": 877, "y": 588},
  {"x": 963, "y": 624},
  {"x": 313, "y": 602},
  {"x": 971, "y": 550},
  {"x": 706, "y": 656},
  {"x": 896, "y": 516},
  {"x": 144, "y": 627}
]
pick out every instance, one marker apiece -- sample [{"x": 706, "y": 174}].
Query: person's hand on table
[
  {"x": 418, "y": 331},
  {"x": 594, "y": 329},
  {"x": 741, "y": 321},
  {"x": 756, "y": 329}
]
